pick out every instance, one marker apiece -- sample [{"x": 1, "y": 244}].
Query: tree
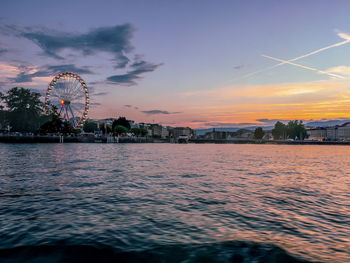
[
  {"x": 1, "y": 99},
  {"x": 296, "y": 130},
  {"x": 67, "y": 128},
  {"x": 119, "y": 130},
  {"x": 122, "y": 121},
  {"x": 143, "y": 132},
  {"x": 52, "y": 122},
  {"x": 51, "y": 126},
  {"x": 139, "y": 131},
  {"x": 102, "y": 128},
  {"x": 24, "y": 109},
  {"x": 279, "y": 131},
  {"x": 259, "y": 133},
  {"x": 90, "y": 126},
  {"x": 3, "y": 114},
  {"x": 135, "y": 131}
]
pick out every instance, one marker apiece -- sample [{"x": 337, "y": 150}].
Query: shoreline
[{"x": 104, "y": 139}]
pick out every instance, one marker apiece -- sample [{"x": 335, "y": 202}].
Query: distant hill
[
  {"x": 232, "y": 129},
  {"x": 328, "y": 123},
  {"x": 325, "y": 123}
]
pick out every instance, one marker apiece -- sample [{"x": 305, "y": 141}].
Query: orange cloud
[
  {"x": 311, "y": 100},
  {"x": 7, "y": 71}
]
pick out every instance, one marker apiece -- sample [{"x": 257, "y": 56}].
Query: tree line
[
  {"x": 293, "y": 130},
  {"x": 21, "y": 110},
  {"x": 119, "y": 126}
]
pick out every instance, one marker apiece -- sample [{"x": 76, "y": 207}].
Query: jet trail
[
  {"x": 342, "y": 35},
  {"x": 301, "y": 66},
  {"x": 315, "y": 52}
]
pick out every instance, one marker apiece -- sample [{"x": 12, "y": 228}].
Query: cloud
[
  {"x": 229, "y": 124},
  {"x": 128, "y": 79},
  {"x": 137, "y": 69},
  {"x": 248, "y": 103},
  {"x": 41, "y": 92},
  {"x": 27, "y": 74},
  {"x": 114, "y": 39},
  {"x": 69, "y": 67},
  {"x": 239, "y": 67},
  {"x": 100, "y": 93},
  {"x": 94, "y": 93},
  {"x": 128, "y": 106},
  {"x": 195, "y": 121},
  {"x": 3, "y": 51},
  {"x": 281, "y": 93},
  {"x": 153, "y": 112},
  {"x": 271, "y": 121},
  {"x": 2, "y": 84},
  {"x": 343, "y": 70}
]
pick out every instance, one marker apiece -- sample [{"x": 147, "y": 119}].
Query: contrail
[
  {"x": 301, "y": 66},
  {"x": 342, "y": 35},
  {"x": 315, "y": 52}
]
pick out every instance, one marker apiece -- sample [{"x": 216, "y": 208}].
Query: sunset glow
[{"x": 143, "y": 71}]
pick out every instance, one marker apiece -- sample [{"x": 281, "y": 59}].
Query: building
[
  {"x": 268, "y": 135},
  {"x": 156, "y": 130},
  {"x": 244, "y": 134},
  {"x": 165, "y": 133},
  {"x": 219, "y": 135},
  {"x": 343, "y": 132},
  {"x": 147, "y": 127},
  {"x": 338, "y": 132},
  {"x": 319, "y": 133},
  {"x": 332, "y": 133},
  {"x": 179, "y": 131}
]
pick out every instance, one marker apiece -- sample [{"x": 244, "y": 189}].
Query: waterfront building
[
  {"x": 156, "y": 130},
  {"x": 244, "y": 134},
  {"x": 339, "y": 132},
  {"x": 332, "y": 133},
  {"x": 344, "y": 132},
  {"x": 219, "y": 135},
  {"x": 178, "y": 131},
  {"x": 147, "y": 127},
  {"x": 268, "y": 135},
  {"x": 226, "y": 135},
  {"x": 318, "y": 133},
  {"x": 165, "y": 133}
]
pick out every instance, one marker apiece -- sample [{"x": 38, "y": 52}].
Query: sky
[{"x": 192, "y": 63}]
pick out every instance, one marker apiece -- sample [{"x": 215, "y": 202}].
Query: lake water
[{"x": 174, "y": 203}]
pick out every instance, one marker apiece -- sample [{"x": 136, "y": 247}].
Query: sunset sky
[{"x": 190, "y": 63}]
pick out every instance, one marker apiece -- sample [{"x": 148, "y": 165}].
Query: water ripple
[{"x": 175, "y": 203}]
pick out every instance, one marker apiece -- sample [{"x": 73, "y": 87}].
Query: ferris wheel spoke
[
  {"x": 71, "y": 86},
  {"x": 76, "y": 88},
  {"x": 73, "y": 118},
  {"x": 71, "y": 92}
]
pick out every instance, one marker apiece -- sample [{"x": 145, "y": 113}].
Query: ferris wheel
[{"x": 69, "y": 94}]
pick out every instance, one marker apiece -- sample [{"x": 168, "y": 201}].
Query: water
[{"x": 174, "y": 203}]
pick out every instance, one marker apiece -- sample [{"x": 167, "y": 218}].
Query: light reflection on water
[{"x": 135, "y": 196}]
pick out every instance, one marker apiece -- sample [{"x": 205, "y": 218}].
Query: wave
[{"x": 232, "y": 251}]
